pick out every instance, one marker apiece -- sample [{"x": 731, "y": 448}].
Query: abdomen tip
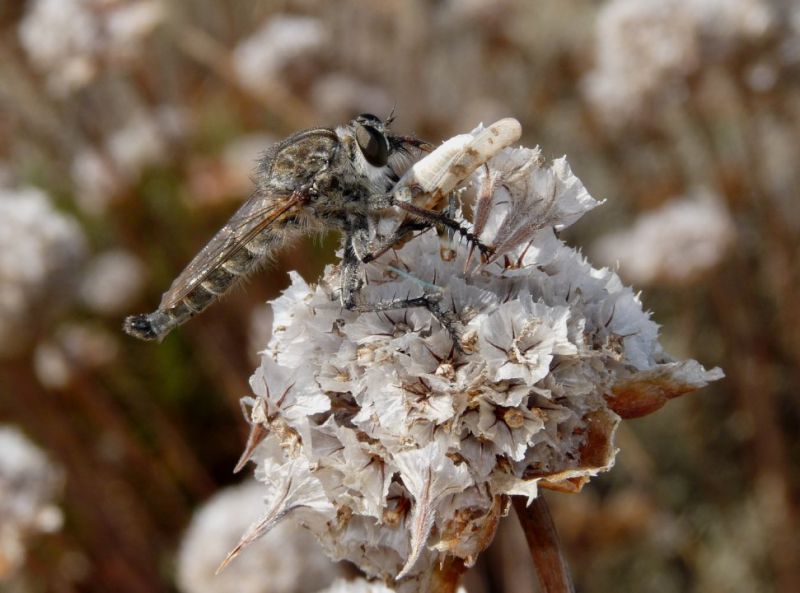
[{"x": 139, "y": 326}]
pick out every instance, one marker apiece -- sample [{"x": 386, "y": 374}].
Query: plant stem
[
  {"x": 446, "y": 576},
  {"x": 545, "y": 547}
]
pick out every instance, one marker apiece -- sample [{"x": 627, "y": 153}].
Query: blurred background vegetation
[{"x": 128, "y": 129}]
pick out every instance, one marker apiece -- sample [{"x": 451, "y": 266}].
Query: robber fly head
[{"x": 374, "y": 147}]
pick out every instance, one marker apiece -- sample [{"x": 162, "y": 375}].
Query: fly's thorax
[
  {"x": 348, "y": 185},
  {"x": 339, "y": 191},
  {"x": 294, "y": 163}
]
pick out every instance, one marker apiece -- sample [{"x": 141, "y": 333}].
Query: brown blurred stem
[
  {"x": 447, "y": 575},
  {"x": 544, "y": 545}
]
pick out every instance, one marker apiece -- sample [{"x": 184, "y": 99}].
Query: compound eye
[{"x": 373, "y": 145}]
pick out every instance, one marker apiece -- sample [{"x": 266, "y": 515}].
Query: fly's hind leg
[
  {"x": 429, "y": 301},
  {"x": 351, "y": 285}
]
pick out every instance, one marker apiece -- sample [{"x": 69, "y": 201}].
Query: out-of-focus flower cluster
[
  {"x": 645, "y": 50},
  {"x": 69, "y": 40},
  {"x": 673, "y": 244},
  {"x": 396, "y": 446},
  {"x": 29, "y": 487},
  {"x": 41, "y": 251},
  {"x": 112, "y": 281},
  {"x": 72, "y": 349},
  {"x": 294, "y": 52},
  {"x": 282, "y": 44},
  {"x": 285, "y": 561},
  {"x": 100, "y": 175}
]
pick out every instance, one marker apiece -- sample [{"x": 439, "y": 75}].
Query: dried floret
[{"x": 285, "y": 561}]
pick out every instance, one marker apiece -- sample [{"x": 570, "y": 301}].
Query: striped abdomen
[{"x": 215, "y": 282}]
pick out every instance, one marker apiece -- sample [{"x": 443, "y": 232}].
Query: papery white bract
[
  {"x": 288, "y": 555},
  {"x": 413, "y": 446}
]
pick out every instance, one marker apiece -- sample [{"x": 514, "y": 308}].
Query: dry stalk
[{"x": 544, "y": 544}]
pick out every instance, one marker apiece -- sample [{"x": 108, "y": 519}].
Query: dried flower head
[
  {"x": 395, "y": 446},
  {"x": 29, "y": 483}
]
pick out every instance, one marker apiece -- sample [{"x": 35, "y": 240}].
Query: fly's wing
[
  {"x": 257, "y": 214},
  {"x": 285, "y": 169}
]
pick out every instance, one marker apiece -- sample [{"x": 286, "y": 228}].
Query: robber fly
[{"x": 342, "y": 179}]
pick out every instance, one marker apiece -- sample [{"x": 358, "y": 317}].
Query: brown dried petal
[{"x": 645, "y": 392}]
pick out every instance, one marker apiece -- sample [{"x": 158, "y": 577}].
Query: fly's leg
[
  {"x": 350, "y": 280},
  {"x": 429, "y": 301},
  {"x": 351, "y": 285},
  {"x": 371, "y": 253},
  {"x": 427, "y": 219},
  {"x": 434, "y": 217}
]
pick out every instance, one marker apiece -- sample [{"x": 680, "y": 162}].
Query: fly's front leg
[
  {"x": 358, "y": 250},
  {"x": 433, "y": 217},
  {"x": 373, "y": 252}
]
